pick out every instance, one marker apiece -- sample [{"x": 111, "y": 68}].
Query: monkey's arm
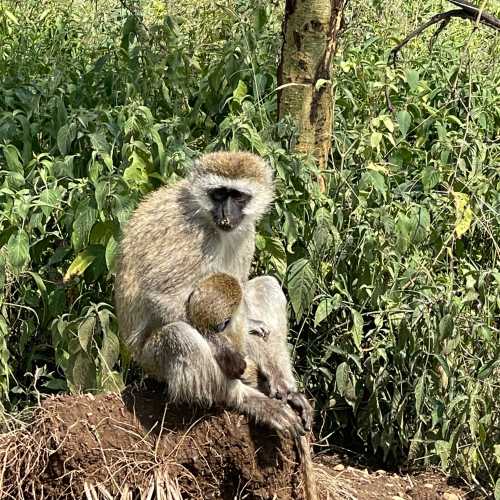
[
  {"x": 264, "y": 297},
  {"x": 231, "y": 362}
]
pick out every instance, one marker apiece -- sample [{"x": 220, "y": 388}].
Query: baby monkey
[{"x": 217, "y": 310}]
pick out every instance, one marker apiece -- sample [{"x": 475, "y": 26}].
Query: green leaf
[
  {"x": 49, "y": 199},
  {"x": 278, "y": 255},
  {"x": 375, "y": 139},
  {"x": 13, "y": 159},
  {"x": 404, "y": 121},
  {"x": 357, "y": 328},
  {"x": 443, "y": 449},
  {"x": 301, "y": 286},
  {"x": 326, "y": 307},
  {"x": 83, "y": 372},
  {"x": 82, "y": 261},
  {"x": 111, "y": 254},
  {"x": 86, "y": 216},
  {"x": 240, "y": 92},
  {"x": 110, "y": 350},
  {"x": 86, "y": 333},
  {"x": 344, "y": 383},
  {"x": 65, "y": 136},
  {"x": 497, "y": 489},
  {"x": 419, "y": 393},
  {"x": 412, "y": 78},
  {"x": 18, "y": 249},
  {"x": 446, "y": 326},
  {"x": 373, "y": 179},
  {"x": 430, "y": 177}
]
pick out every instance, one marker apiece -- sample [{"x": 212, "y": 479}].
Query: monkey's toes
[
  {"x": 292, "y": 423},
  {"x": 258, "y": 328}
]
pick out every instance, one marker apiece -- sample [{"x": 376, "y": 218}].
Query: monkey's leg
[
  {"x": 265, "y": 299},
  {"x": 180, "y": 356}
]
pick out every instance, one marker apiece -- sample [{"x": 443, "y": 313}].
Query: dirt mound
[{"x": 134, "y": 444}]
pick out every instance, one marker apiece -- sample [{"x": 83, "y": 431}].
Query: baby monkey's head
[{"x": 214, "y": 304}]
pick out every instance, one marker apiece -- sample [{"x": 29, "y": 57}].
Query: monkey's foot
[{"x": 258, "y": 328}]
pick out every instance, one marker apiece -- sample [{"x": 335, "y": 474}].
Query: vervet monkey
[
  {"x": 176, "y": 236},
  {"x": 216, "y": 309}
]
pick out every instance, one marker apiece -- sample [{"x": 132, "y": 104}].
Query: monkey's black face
[{"x": 228, "y": 205}]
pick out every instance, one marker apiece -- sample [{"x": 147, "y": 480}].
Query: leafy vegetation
[{"x": 392, "y": 273}]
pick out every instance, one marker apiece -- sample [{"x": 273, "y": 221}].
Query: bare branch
[{"x": 467, "y": 10}]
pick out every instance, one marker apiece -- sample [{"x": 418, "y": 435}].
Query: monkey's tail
[{"x": 311, "y": 491}]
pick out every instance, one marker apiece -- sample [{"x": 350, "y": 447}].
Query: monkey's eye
[
  {"x": 240, "y": 197},
  {"x": 222, "y": 326}
]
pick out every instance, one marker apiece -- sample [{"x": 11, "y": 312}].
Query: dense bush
[{"x": 392, "y": 274}]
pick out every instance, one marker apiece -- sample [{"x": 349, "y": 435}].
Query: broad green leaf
[
  {"x": 82, "y": 261},
  {"x": 375, "y": 139},
  {"x": 240, "y": 92},
  {"x": 412, "y": 78},
  {"x": 497, "y": 489},
  {"x": 278, "y": 255},
  {"x": 13, "y": 159},
  {"x": 83, "y": 372},
  {"x": 389, "y": 124},
  {"x": 86, "y": 216},
  {"x": 291, "y": 231},
  {"x": 86, "y": 333},
  {"x": 326, "y": 307},
  {"x": 404, "y": 121},
  {"x": 110, "y": 350},
  {"x": 18, "y": 249},
  {"x": 49, "y": 199},
  {"x": 430, "y": 177},
  {"x": 65, "y": 136},
  {"x": 344, "y": 383},
  {"x": 301, "y": 286},
  {"x": 373, "y": 179}
]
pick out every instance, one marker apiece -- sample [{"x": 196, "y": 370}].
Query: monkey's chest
[{"x": 233, "y": 258}]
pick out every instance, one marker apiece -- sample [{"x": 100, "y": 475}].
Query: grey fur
[{"x": 171, "y": 243}]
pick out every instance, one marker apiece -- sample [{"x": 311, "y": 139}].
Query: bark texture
[{"x": 310, "y": 30}]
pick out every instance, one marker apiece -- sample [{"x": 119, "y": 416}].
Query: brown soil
[
  {"x": 135, "y": 445},
  {"x": 109, "y": 443}
]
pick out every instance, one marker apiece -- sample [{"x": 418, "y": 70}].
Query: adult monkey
[{"x": 176, "y": 236}]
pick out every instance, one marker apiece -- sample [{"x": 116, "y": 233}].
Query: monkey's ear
[{"x": 222, "y": 326}]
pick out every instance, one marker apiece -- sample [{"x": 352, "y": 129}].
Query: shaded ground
[{"x": 136, "y": 446}]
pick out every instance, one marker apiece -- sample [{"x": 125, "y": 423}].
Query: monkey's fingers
[
  {"x": 258, "y": 328},
  {"x": 282, "y": 418},
  {"x": 300, "y": 404}
]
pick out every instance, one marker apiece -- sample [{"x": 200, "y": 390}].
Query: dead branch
[{"x": 466, "y": 10}]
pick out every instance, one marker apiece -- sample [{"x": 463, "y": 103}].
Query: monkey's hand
[
  {"x": 231, "y": 362},
  {"x": 258, "y": 328},
  {"x": 299, "y": 403}
]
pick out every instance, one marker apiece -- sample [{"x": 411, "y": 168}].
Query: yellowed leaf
[{"x": 463, "y": 212}]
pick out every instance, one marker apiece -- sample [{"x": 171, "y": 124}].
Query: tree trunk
[{"x": 310, "y": 31}]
